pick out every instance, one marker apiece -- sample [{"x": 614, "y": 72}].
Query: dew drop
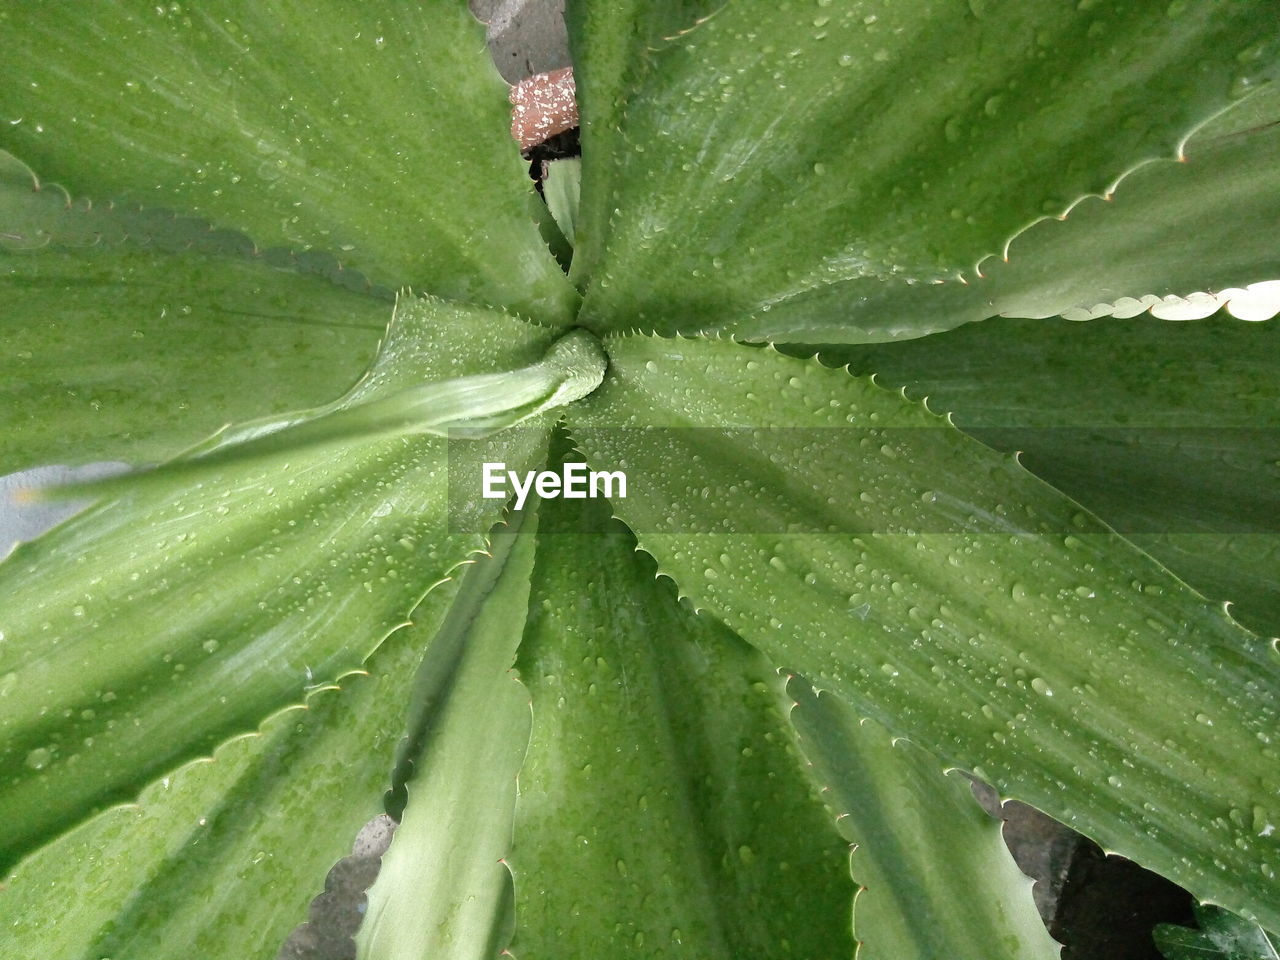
[
  {"x": 38, "y": 758},
  {"x": 1262, "y": 824}
]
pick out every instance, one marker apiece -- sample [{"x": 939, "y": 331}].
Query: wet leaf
[
  {"x": 444, "y": 888},
  {"x": 612, "y": 43},
  {"x": 1169, "y": 229},
  {"x": 223, "y": 856},
  {"x": 922, "y": 847},
  {"x": 201, "y": 603},
  {"x": 318, "y": 125},
  {"x": 1173, "y": 439},
  {"x": 953, "y": 598},
  {"x": 662, "y": 806},
  {"x": 132, "y": 334},
  {"x": 772, "y": 151},
  {"x": 1222, "y": 936}
]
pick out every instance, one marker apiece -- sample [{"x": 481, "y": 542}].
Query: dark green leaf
[
  {"x": 1170, "y": 229},
  {"x": 662, "y": 808},
  {"x": 310, "y": 125},
  {"x": 779, "y": 148},
  {"x": 1222, "y": 936},
  {"x": 953, "y": 598},
  {"x": 1170, "y": 432},
  {"x": 137, "y": 355},
  {"x": 112, "y": 353},
  {"x": 612, "y": 43}
]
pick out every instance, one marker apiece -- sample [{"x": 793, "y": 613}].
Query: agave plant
[{"x": 653, "y": 724}]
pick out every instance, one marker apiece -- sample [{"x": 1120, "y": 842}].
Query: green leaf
[
  {"x": 662, "y": 807},
  {"x": 778, "y": 149},
  {"x": 1170, "y": 432},
  {"x": 222, "y": 857},
  {"x": 117, "y": 356},
  {"x": 465, "y": 407},
  {"x": 443, "y": 889},
  {"x": 549, "y": 230},
  {"x": 561, "y": 187},
  {"x": 952, "y": 597},
  {"x": 935, "y": 875},
  {"x": 611, "y": 42},
  {"x": 112, "y": 353},
  {"x": 312, "y": 125},
  {"x": 1169, "y": 229},
  {"x": 200, "y": 605},
  {"x": 1222, "y": 936},
  {"x": 36, "y": 217}
]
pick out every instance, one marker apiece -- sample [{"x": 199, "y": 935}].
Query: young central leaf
[{"x": 381, "y": 406}]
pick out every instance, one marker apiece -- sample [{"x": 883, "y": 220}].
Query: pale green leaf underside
[
  {"x": 612, "y": 43},
  {"x": 1000, "y": 627},
  {"x": 1169, "y": 229},
  {"x": 314, "y": 124},
  {"x": 221, "y": 858},
  {"x": 1173, "y": 228},
  {"x": 937, "y": 879},
  {"x": 443, "y": 890},
  {"x": 777, "y": 148},
  {"x": 1170, "y": 432},
  {"x": 201, "y": 604},
  {"x": 469, "y": 407},
  {"x": 662, "y": 808},
  {"x": 1222, "y": 936},
  {"x": 561, "y": 186}
]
